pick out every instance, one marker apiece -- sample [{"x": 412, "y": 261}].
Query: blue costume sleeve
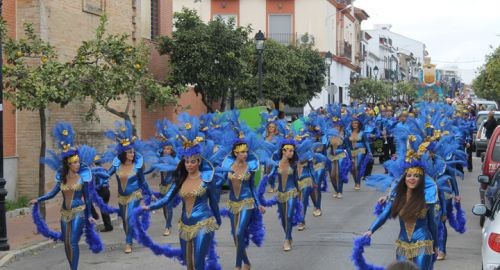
[
  {"x": 314, "y": 175},
  {"x": 143, "y": 182},
  {"x": 252, "y": 188},
  {"x": 51, "y": 193},
  {"x": 382, "y": 218},
  {"x": 150, "y": 170},
  {"x": 169, "y": 196},
  {"x": 366, "y": 142},
  {"x": 454, "y": 185},
  {"x": 212, "y": 198},
  {"x": 442, "y": 203},
  {"x": 111, "y": 170},
  {"x": 431, "y": 223},
  {"x": 88, "y": 202}
]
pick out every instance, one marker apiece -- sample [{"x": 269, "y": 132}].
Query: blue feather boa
[
  {"x": 357, "y": 254},
  {"x": 92, "y": 238},
  {"x": 142, "y": 237},
  {"x": 260, "y": 193},
  {"x": 457, "y": 221},
  {"x": 366, "y": 159},
  {"x": 212, "y": 261},
  {"x": 256, "y": 231},
  {"x": 41, "y": 225},
  {"x": 377, "y": 210},
  {"x": 105, "y": 208},
  {"x": 297, "y": 217},
  {"x": 345, "y": 168}
]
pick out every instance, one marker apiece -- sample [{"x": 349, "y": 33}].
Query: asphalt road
[{"x": 325, "y": 244}]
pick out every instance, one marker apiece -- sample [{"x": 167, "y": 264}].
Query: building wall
[
  {"x": 317, "y": 18},
  {"x": 65, "y": 25},
  {"x": 253, "y": 12},
  {"x": 203, "y": 7}
]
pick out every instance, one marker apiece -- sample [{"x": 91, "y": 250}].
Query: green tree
[
  {"x": 369, "y": 90},
  {"x": 111, "y": 69},
  {"x": 292, "y": 75},
  {"x": 408, "y": 90},
  {"x": 207, "y": 56},
  {"x": 487, "y": 83},
  {"x": 33, "y": 79}
]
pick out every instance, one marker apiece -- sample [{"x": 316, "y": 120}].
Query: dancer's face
[
  {"x": 241, "y": 156},
  {"x": 271, "y": 129},
  {"x": 130, "y": 154},
  {"x": 74, "y": 166},
  {"x": 192, "y": 164},
  {"x": 412, "y": 180},
  {"x": 167, "y": 150},
  {"x": 288, "y": 153}
]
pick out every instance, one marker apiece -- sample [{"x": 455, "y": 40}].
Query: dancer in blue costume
[
  {"x": 284, "y": 169},
  {"x": 73, "y": 180},
  {"x": 339, "y": 164},
  {"x": 360, "y": 150},
  {"x": 272, "y": 131},
  {"x": 306, "y": 174},
  {"x": 167, "y": 163},
  {"x": 244, "y": 210},
  {"x": 128, "y": 165},
  {"x": 317, "y": 125},
  {"x": 194, "y": 182}
]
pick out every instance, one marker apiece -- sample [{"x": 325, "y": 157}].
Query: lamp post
[
  {"x": 375, "y": 72},
  {"x": 328, "y": 63},
  {"x": 259, "y": 45},
  {"x": 4, "y": 245}
]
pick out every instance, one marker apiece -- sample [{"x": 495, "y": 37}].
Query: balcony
[
  {"x": 346, "y": 51},
  {"x": 283, "y": 38}
]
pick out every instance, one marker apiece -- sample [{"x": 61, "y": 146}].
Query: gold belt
[
  {"x": 306, "y": 182},
  {"x": 319, "y": 166},
  {"x": 412, "y": 250},
  {"x": 283, "y": 197},
  {"x": 136, "y": 195},
  {"x": 164, "y": 189},
  {"x": 189, "y": 232},
  {"x": 448, "y": 196},
  {"x": 68, "y": 215},
  {"x": 236, "y": 206},
  {"x": 358, "y": 151},
  {"x": 337, "y": 156}
]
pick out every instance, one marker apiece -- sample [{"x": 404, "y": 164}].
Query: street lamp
[
  {"x": 328, "y": 63},
  {"x": 259, "y": 45},
  {"x": 4, "y": 245},
  {"x": 375, "y": 72}
]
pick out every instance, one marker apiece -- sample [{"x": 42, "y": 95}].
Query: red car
[{"x": 491, "y": 163}]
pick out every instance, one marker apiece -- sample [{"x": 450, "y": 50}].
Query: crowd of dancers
[{"x": 279, "y": 164}]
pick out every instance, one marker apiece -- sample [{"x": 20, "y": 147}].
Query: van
[{"x": 488, "y": 104}]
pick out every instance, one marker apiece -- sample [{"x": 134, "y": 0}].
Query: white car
[{"x": 491, "y": 229}]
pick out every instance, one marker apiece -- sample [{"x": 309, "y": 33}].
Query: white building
[{"x": 392, "y": 49}]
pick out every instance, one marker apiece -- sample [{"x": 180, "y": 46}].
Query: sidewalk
[{"x": 21, "y": 231}]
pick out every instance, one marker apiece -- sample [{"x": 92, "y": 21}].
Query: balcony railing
[{"x": 283, "y": 38}]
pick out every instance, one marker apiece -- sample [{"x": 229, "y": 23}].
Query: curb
[
  {"x": 14, "y": 255},
  {"x": 19, "y": 212}
]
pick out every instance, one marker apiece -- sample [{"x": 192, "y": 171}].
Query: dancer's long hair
[{"x": 408, "y": 209}]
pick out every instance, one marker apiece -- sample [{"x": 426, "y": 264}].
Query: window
[
  {"x": 155, "y": 19},
  {"x": 280, "y": 28},
  {"x": 227, "y": 17}
]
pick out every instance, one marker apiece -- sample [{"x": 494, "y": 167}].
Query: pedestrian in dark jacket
[{"x": 490, "y": 124}]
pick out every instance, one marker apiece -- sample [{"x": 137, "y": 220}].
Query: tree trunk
[
  {"x": 310, "y": 106},
  {"x": 276, "y": 104},
  {"x": 205, "y": 102},
  {"x": 122, "y": 115},
  {"x": 232, "y": 99},
  {"x": 41, "y": 166},
  {"x": 223, "y": 102}
]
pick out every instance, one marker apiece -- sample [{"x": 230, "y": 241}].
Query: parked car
[
  {"x": 488, "y": 104},
  {"x": 480, "y": 141},
  {"x": 490, "y": 165},
  {"x": 490, "y": 249}
]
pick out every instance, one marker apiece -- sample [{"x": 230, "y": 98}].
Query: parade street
[{"x": 325, "y": 244}]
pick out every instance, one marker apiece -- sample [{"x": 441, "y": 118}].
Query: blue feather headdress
[
  {"x": 64, "y": 137},
  {"x": 123, "y": 135},
  {"x": 165, "y": 132},
  {"x": 189, "y": 137}
]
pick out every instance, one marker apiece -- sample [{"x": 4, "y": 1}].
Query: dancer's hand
[
  {"x": 457, "y": 199},
  {"x": 262, "y": 209},
  {"x": 153, "y": 198},
  {"x": 368, "y": 234},
  {"x": 382, "y": 200},
  {"x": 33, "y": 201},
  {"x": 145, "y": 208},
  {"x": 92, "y": 220}
]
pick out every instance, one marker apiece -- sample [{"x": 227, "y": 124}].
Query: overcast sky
[{"x": 455, "y": 32}]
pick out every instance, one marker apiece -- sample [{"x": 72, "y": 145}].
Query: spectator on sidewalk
[{"x": 490, "y": 124}]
